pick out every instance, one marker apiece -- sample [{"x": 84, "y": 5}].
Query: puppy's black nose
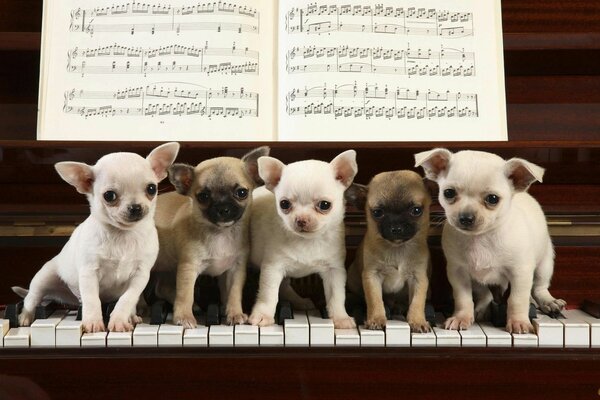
[
  {"x": 466, "y": 220},
  {"x": 135, "y": 210},
  {"x": 224, "y": 211}
]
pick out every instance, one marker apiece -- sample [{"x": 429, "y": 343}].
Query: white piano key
[
  {"x": 220, "y": 336},
  {"x": 170, "y": 334},
  {"x": 17, "y": 337},
  {"x": 94, "y": 339},
  {"x": 550, "y": 331},
  {"x": 397, "y": 333},
  {"x": 525, "y": 340},
  {"x": 43, "y": 331},
  {"x": 4, "y": 328},
  {"x": 577, "y": 331},
  {"x": 321, "y": 330},
  {"x": 272, "y": 336},
  {"x": 496, "y": 337},
  {"x": 119, "y": 339},
  {"x": 371, "y": 337},
  {"x": 423, "y": 339},
  {"x": 592, "y": 321},
  {"x": 196, "y": 337},
  {"x": 347, "y": 337},
  {"x": 473, "y": 337},
  {"x": 246, "y": 336},
  {"x": 145, "y": 335},
  {"x": 69, "y": 331},
  {"x": 297, "y": 331},
  {"x": 445, "y": 337}
]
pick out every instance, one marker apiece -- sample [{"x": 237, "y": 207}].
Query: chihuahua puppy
[
  {"x": 110, "y": 255},
  {"x": 495, "y": 234},
  {"x": 297, "y": 229},
  {"x": 203, "y": 229},
  {"x": 394, "y": 252}
]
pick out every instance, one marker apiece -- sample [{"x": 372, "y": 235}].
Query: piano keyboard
[{"x": 305, "y": 329}]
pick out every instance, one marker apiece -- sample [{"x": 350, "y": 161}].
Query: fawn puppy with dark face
[
  {"x": 495, "y": 234},
  {"x": 203, "y": 228},
  {"x": 393, "y": 257}
]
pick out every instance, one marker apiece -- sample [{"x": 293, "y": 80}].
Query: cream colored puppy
[
  {"x": 297, "y": 229},
  {"x": 203, "y": 229},
  {"x": 495, "y": 234}
]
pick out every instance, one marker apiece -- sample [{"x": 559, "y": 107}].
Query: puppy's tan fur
[
  {"x": 195, "y": 245},
  {"x": 384, "y": 266}
]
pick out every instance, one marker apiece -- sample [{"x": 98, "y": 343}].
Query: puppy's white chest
[
  {"x": 222, "y": 253},
  {"x": 484, "y": 264},
  {"x": 394, "y": 278}
]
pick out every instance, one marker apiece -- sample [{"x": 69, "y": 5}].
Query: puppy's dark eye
[
  {"x": 241, "y": 193},
  {"x": 449, "y": 194},
  {"x": 110, "y": 196},
  {"x": 324, "y": 205},
  {"x": 492, "y": 199},
  {"x": 151, "y": 189},
  {"x": 203, "y": 197},
  {"x": 285, "y": 204},
  {"x": 377, "y": 213},
  {"x": 416, "y": 211}
]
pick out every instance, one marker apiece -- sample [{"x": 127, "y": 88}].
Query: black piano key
[
  {"x": 359, "y": 313},
  {"x": 107, "y": 309},
  {"x": 158, "y": 312},
  {"x": 532, "y": 312},
  {"x": 591, "y": 307},
  {"x": 79, "y": 313},
  {"x": 430, "y": 314},
  {"x": 213, "y": 316},
  {"x": 324, "y": 313},
  {"x": 284, "y": 311},
  {"x": 498, "y": 313},
  {"x": 388, "y": 313},
  {"x": 12, "y": 313},
  {"x": 45, "y": 309}
]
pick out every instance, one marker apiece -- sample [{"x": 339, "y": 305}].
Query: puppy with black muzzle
[
  {"x": 393, "y": 255},
  {"x": 203, "y": 229},
  {"x": 495, "y": 234},
  {"x": 109, "y": 256}
]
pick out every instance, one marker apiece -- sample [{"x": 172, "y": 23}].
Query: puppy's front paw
[
  {"x": 459, "y": 322},
  {"x": 376, "y": 322},
  {"x": 119, "y": 323},
  {"x": 91, "y": 325},
  {"x": 344, "y": 323},
  {"x": 419, "y": 325},
  {"x": 236, "y": 318},
  {"x": 518, "y": 325},
  {"x": 136, "y": 319},
  {"x": 186, "y": 320},
  {"x": 554, "y": 306},
  {"x": 25, "y": 318},
  {"x": 261, "y": 319}
]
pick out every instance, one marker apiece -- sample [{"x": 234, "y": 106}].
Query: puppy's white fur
[
  {"x": 110, "y": 255},
  {"x": 507, "y": 243},
  {"x": 302, "y": 239}
]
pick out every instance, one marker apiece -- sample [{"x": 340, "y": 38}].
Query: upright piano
[{"x": 552, "y": 64}]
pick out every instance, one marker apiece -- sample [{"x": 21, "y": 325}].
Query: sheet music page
[
  {"x": 401, "y": 70},
  {"x": 157, "y": 70}
]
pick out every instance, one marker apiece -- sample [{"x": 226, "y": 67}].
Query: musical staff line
[
  {"x": 446, "y": 62},
  {"x": 371, "y": 101},
  {"x": 318, "y": 19},
  {"x": 116, "y": 59}
]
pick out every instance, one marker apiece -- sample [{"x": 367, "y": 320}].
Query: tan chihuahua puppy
[
  {"x": 393, "y": 255},
  {"x": 203, "y": 228}
]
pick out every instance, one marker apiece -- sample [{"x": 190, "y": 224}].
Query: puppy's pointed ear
[
  {"x": 345, "y": 168},
  {"x": 434, "y": 162},
  {"x": 270, "y": 170},
  {"x": 250, "y": 161},
  {"x": 80, "y": 175},
  {"x": 356, "y": 195},
  {"x": 182, "y": 177},
  {"x": 162, "y": 157},
  {"x": 522, "y": 173}
]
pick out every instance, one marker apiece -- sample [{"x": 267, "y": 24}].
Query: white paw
[
  {"x": 120, "y": 323},
  {"x": 93, "y": 324},
  {"x": 186, "y": 320},
  {"x": 344, "y": 323},
  {"x": 261, "y": 319},
  {"x": 25, "y": 318},
  {"x": 459, "y": 322},
  {"x": 554, "y": 306},
  {"x": 237, "y": 318},
  {"x": 136, "y": 319},
  {"x": 519, "y": 325}
]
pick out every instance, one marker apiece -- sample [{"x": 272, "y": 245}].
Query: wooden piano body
[{"x": 552, "y": 56}]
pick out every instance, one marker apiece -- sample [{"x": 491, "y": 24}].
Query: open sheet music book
[{"x": 262, "y": 70}]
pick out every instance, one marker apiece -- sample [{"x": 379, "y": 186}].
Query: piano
[{"x": 552, "y": 56}]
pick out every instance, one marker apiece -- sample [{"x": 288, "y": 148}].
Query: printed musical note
[{"x": 372, "y": 101}]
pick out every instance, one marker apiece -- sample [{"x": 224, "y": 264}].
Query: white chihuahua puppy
[
  {"x": 110, "y": 255},
  {"x": 298, "y": 230},
  {"x": 495, "y": 234}
]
